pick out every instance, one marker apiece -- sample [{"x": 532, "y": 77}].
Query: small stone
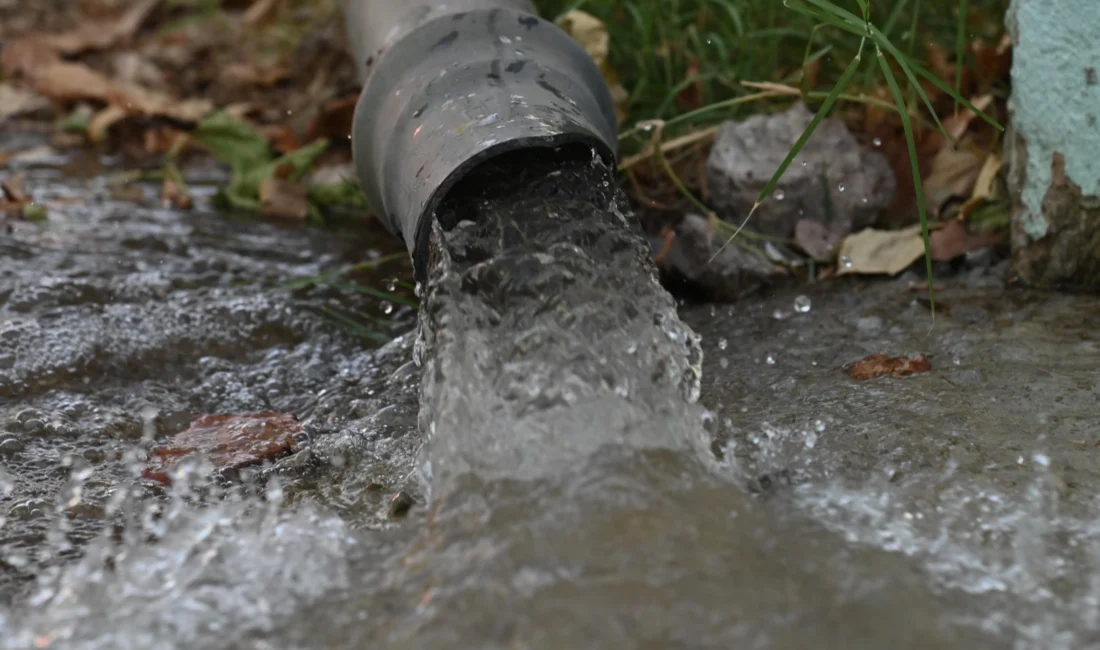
[{"x": 400, "y": 504}]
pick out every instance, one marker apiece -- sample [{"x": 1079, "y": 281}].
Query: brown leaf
[
  {"x": 880, "y": 251},
  {"x": 17, "y": 101},
  {"x": 13, "y": 189},
  {"x": 284, "y": 199},
  {"x": 876, "y": 365},
  {"x": 954, "y": 172},
  {"x": 813, "y": 237},
  {"x": 28, "y": 53},
  {"x": 260, "y": 11},
  {"x": 172, "y": 196},
  {"x": 229, "y": 442},
  {"x": 65, "y": 81},
  {"x": 953, "y": 240},
  {"x": 691, "y": 96}
]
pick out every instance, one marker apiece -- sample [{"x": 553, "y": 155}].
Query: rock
[
  {"x": 833, "y": 180},
  {"x": 734, "y": 273},
  {"x": 1054, "y": 171}
]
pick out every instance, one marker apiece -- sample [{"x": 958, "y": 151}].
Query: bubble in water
[
  {"x": 722, "y": 343},
  {"x": 1042, "y": 460},
  {"x": 956, "y": 360},
  {"x": 877, "y": 142},
  {"x": 802, "y": 304},
  {"x": 724, "y": 362},
  {"x": 770, "y": 359},
  {"x": 846, "y": 261},
  {"x": 811, "y": 440},
  {"x": 778, "y": 314},
  {"x": 840, "y": 187},
  {"x": 387, "y": 307},
  {"x": 780, "y": 195},
  {"x": 819, "y": 426}
]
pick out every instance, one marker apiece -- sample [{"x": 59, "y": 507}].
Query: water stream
[{"x": 591, "y": 468}]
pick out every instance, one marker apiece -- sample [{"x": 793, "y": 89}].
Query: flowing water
[{"x": 588, "y": 470}]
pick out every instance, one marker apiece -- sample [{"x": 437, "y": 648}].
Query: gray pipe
[{"x": 447, "y": 85}]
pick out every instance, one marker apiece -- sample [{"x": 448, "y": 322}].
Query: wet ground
[{"x": 949, "y": 509}]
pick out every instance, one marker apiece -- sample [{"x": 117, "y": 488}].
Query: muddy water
[{"x": 791, "y": 507}]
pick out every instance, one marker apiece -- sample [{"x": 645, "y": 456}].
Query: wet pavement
[{"x": 791, "y": 507}]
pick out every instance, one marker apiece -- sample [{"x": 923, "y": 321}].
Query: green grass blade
[
  {"x": 911, "y": 143},
  {"x": 960, "y": 45},
  {"x": 826, "y": 106}
]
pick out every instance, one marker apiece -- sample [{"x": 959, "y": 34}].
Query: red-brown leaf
[
  {"x": 876, "y": 365},
  {"x": 228, "y": 442}
]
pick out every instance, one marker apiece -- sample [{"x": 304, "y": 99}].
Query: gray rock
[
  {"x": 833, "y": 180},
  {"x": 734, "y": 273}
]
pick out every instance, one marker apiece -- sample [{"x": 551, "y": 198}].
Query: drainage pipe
[{"x": 449, "y": 85}]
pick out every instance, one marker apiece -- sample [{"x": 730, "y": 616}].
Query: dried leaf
[
  {"x": 66, "y": 81},
  {"x": 173, "y": 196},
  {"x": 953, "y": 240},
  {"x": 592, "y": 34},
  {"x": 28, "y": 53},
  {"x": 984, "y": 185},
  {"x": 284, "y": 199},
  {"x": 881, "y": 251},
  {"x": 954, "y": 172},
  {"x": 260, "y": 11},
  {"x": 229, "y": 442},
  {"x": 13, "y": 188},
  {"x": 876, "y": 365},
  {"x": 813, "y": 237},
  {"x": 18, "y": 101}
]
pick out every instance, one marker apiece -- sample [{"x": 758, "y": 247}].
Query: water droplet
[
  {"x": 1019, "y": 460},
  {"x": 778, "y": 314},
  {"x": 722, "y": 343},
  {"x": 391, "y": 285},
  {"x": 877, "y": 142},
  {"x": 819, "y": 426},
  {"x": 840, "y": 187},
  {"x": 780, "y": 195},
  {"x": 846, "y": 261},
  {"x": 802, "y": 304},
  {"x": 811, "y": 439},
  {"x": 864, "y": 199},
  {"x": 1042, "y": 460},
  {"x": 632, "y": 348},
  {"x": 770, "y": 359},
  {"x": 956, "y": 360},
  {"x": 387, "y": 307}
]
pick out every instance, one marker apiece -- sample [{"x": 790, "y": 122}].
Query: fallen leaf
[
  {"x": 592, "y": 34},
  {"x": 957, "y": 124},
  {"x": 284, "y": 199},
  {"x": 229, "y": 442},
  {"x": 954, "y": 172},
  {"x": 984, "y": 185},
  {"x": 953, "y": 240},
  {"x": 65, "y": 81},
  {"x": 880, "y": 251},
  {"x": 18, "y": 101},
  {"x": 13, "y": 188},
  {"x": 27, "y": 53},
  {"x": 691, "y": 96},
  {"x": 259, "y": 12},
  {"x": 172, "y": 196},
  {"x": 815, "y": 238},
  {"x": 876, "y": 365}
]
